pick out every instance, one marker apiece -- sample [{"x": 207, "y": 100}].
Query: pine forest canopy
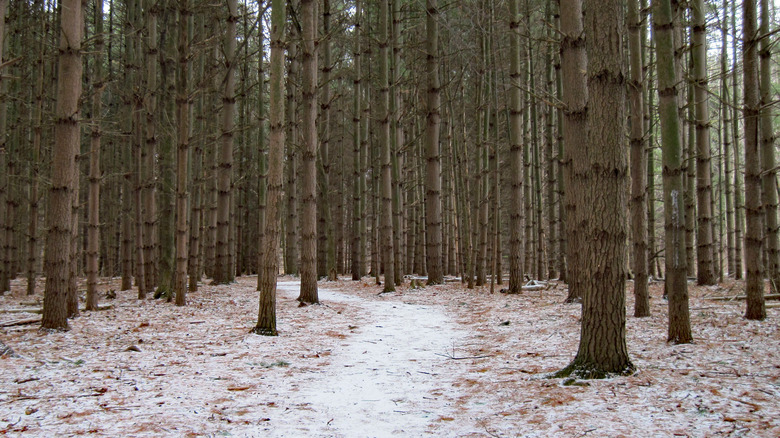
[{"x": 166, "y": 142}]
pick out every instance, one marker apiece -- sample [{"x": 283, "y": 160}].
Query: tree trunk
[
  {"x": 397, "y": 133},
  {"x": 66, "y": 142},
  {"x": 602, "y": 350},
  {"x": 149, "y": 153},
  {"x": 136, "y": 134},
  {"x": 292, "y": 145},
  {"x": 650, "y": 127},
  {"x": 433, "y": 233},
  {"x": 224, "y": 273},
  {"x": 182, "y": 151},
  {"x": 386, "y": 212},
  {"x": 358, "y": 264},
  {"x": 704, "y": 239},
  {"x": 93, "y": 235},
  {"x": 754, "y": 281},
  {"x": 262, "y": 165},
  {"x": 638, "y": 163},
  {"x": 739, "y": 205},
  {"x": 768, "y": 151},
  {"x": 515, "y": 153},
  {"x": 309, "y": 153},
  {"x": 328, "y": 201},
  {"x": 5, "y": 284},
  {"x": 32, "y": 230},
  {"x": 725, "y": 112},
  {"x": 674, "y": 209},
  {"x": 266, "y": 319},
  {"x": 575, "y": 98}
]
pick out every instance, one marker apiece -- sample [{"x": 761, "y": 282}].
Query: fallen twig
[
  {"x": 24, "y": 321},
  {"x": 448, "y": 356}
]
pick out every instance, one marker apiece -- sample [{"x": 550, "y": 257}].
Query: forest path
[{"x": 385, "y": 378}]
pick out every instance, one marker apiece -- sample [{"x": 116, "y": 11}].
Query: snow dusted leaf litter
[{"x": 436, "y": 361}]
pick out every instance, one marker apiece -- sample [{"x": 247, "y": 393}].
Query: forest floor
[{"x": 439, "y": 361}]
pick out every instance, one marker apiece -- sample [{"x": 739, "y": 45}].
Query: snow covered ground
[{"x": 437, "y": 361}]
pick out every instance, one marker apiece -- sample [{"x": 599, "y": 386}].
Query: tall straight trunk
[
  {"x": 482, "y": 159},
  {"x": 768, "y": 151},
  {"x": 182, "y": 151},
  {"x": 328, "y": 200},
  {"x": 549, "y": 153},
  {"x": 309, "y": 153},
  {"x": 538, "y": 229},
  {"x": 262, "y": 162},
  {"x": 433, "y": 232},
  {"x": 515, "y": 152},
  {"x": 149, "y": 153},
  {"x": 652, "y": 258},
  {"x": 126, "y": 247},
  {"x": 66, "y": 142},
  {"x": 32, "y": 230},
  {"x": 689, "y": 159},
  {"x": 725, "y": 113},
  {"x": 739, "y": 204},
  {"x": 93, "y": 233},
  {"x": 754, "y": 212},
  {"x": 527, "y": 194},
  {"x": 136, "y": 139},
  {"x": 292, "y": 146},
  {"x": 603, "y": 350},
  {"x": 5, "y": 284},
  {"x": 575, "y": 101},
  {"x": 638, "y": 163},
  {"x": 127, "y": 155},
  {"x": 560, "y": 186},
  {"x": 358, "y": 264},
  {"x": 397, "y": 133},
  {"x": 266, "y": 318},
  {"x": 705, "y": 249},
  {"x": 194, "y": 264},
  {"x": 224, "y": 274},
  {"x": 674, "y": 209},
  {"x": 386, "y": 211}
]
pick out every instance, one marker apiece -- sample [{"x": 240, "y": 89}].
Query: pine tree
[
  {"x": 66, "y": 142},
  {"x": 603, "y": 349},
  {"x": 266, "y": 319},
  {"x": 674, "y": 209},
  {"x": 309, "y": 153},
  {"x": 638, "y": 163},
  {"x": 754, "y": 212}
]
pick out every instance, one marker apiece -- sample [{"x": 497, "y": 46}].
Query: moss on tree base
[
  {"x": 264, "y": 331},
  {"x": 581, "y": 369}
]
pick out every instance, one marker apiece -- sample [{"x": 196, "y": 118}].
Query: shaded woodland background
[{"x": 421, "y": 139}]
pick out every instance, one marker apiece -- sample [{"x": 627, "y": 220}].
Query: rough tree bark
[
  {"x": 515, "y": 153},
  {"x": 603, "y": 349},
  {"x": 575, "y": 101},
  {"x": 386, "y": 211},
  {"x": 768, "y": 151},
  {"x": 269, "y": 261},
  {"x": 93, "y": 233},
  {"x": 674, "y": 209},
  {"x": 66, "y": 142},
  {"x": 638, "y": 163},
  {"x": 704, "y": 240},
  {"x": 182, "y": 151},
  {"x": 224, "y": 272},
  {"x": 149, "y": 193},
  {"x": 433, "y": 233},
  {"x": 754, "y": 212},
  {"x": 308, "y": 292}
]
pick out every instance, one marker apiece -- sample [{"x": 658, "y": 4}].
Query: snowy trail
[{"x": 384, "y": 378}]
